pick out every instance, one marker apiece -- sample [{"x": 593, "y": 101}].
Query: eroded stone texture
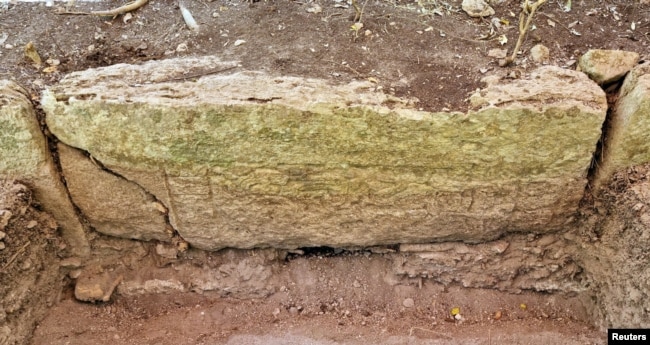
[
  {"x": 113, "y": 205},
  {"x": 606, "y": 66},
  {"x": 247, "y": 159},
  {"x": 232, "y": 273},
  {"x": 515, "y": 263},
  {"x": 24, "y": 155},
  {"x": 628, "y": 140}
]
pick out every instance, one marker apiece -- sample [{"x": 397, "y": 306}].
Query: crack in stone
[
  {"x": 612, "y": 94},
  {"x": 177, "y": 239},
  {"x": 51, "y": 142}
]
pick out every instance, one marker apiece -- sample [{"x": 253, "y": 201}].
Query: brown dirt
[
  {"x": 346, "y": 299},
  {"x": 429, "y": 50},
  {"x": 29, "y": 266}
]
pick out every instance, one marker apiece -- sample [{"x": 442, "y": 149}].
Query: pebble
[
  {"x": 408, "y": 303},
  {"x": 5, "y": 215},
  {"x": 27, "y": 264},
  {"x": 356, "y": 284},
  {"x": 74, "y": 274},
  {"x": 293, "y": 310},
  {"x": 2, "y": 245},
  {"x": 3, "y": 235},
  {"x": 477, "y": 8},
  {"x": 71, "y": 262},
  {"x": 539, "y": 53},
  {"x": 32, "y": 224},
  {"x": 498, "y": 53},
  {"x": 181, "y": 48}
]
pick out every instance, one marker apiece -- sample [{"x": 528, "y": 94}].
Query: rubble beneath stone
[{"x": 96, "y": 287}]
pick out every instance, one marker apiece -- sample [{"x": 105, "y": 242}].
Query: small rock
[
  {"x": 276, "y": 312},
  {"x": 315, "y": 8},
  {"x": 72, "y": 262},
  {"x": 95, "y": 288},
  {"x": 499, "y": 247},
  {"x": 408, "y": 303},
  {"x": 477, "y": 8},
  {"x": 32, "y": 224},
  {"x": 3, "y": 235},
  {"x": 607, "y": 66},
  {"x": 5, "y": 215},
  {"x": 458, "y": 317},
  {"x": 539, "y": 53},
  {"x": 356, "y": 284},
  {"x": 293, "y": 311},
  {"x": 181, "y": 48},
  {"x": 498, "y": 53},
  {"x": 166, "y": 251},
  {"x": 26, "y": 265},
  {"x": 74, "y": 274},
  {"x": 2, "y": 245}
]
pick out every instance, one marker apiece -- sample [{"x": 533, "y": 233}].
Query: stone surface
[
  {"x": 539, "y": 53},
  {"x": 628, "y": 139},
  {"x": 247, "y": 159},
  {"x": 477, "y": 8},
  {"x": 113, "y": 205},
  {"x": 24, "y": 155},
  {"x": 512, "y": 264},
  {"x": 606, "y": 66}
]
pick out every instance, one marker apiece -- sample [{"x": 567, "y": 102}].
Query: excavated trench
[{"x": 553, "y": 285}]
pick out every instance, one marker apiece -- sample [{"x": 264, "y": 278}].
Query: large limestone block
[
  {"x": 113, "y": 205},
  {"x": 246, "y": 159},
  {"x": 24, "y": 155},
  {"x": 628, "y": 139}
]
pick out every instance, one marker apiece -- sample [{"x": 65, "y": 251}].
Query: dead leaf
[
  {"x": 32, "y": 54},
  {"x": 50, "y": 69}
]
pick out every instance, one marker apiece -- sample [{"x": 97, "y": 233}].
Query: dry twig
[
  {"x": 132, "y": 6},
  {"x": 13, "y": 258},
  {"x": 525, "y": 18}
]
